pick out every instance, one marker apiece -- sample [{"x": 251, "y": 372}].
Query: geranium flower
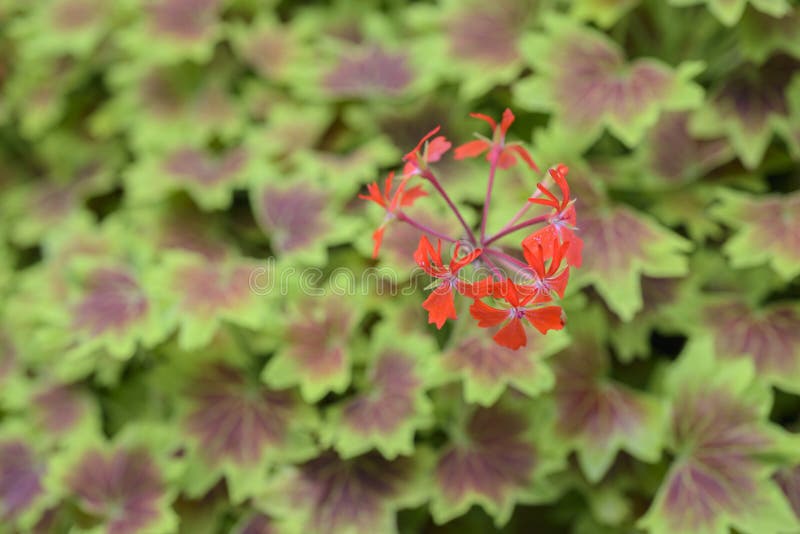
[
  {"x": 417, "y": 160},
  {"x": 525, "y": 302},
  {"x": 440, "y": 303},
  {"x": 391, "y": 202},
  {"x": 548, "y": 279},
  {"x": 562, "y": 222},
  {"x": 497, "y": 147}
]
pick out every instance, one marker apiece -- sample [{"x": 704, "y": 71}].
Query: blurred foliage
[{"x": 179, "y": 221}]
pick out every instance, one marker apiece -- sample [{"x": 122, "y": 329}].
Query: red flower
[
  {"x": 524, "y": 303},
  {"x": 548, "y": 279},
  {"x": 562, "y": 222},
  {"x": 440, "y": 303},
  {"x": 401, "y": 198},
  {"x": 418, "y": 159},
  {"x": 498, "y": 148}
]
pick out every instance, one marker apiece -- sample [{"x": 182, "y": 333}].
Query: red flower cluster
[{"x": 540, "y": 276}]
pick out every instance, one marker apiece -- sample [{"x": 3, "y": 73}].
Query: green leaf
[
  {"x": 583, "y": 78},
  {"x": 730, "y": 11},
  {"x": 767, "y": 230}
]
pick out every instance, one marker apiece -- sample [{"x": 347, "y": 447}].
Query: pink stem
[
  {"x": 422, "y": 227},
  {"x": 524, "y": 209},
  {"x": 430, "y": 176},
  {"x": 510, "y": 261},
  {"x": 514, "y": 228},
  {"x": 494, "y": 157}
]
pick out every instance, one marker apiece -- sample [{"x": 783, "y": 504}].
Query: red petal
[
  {"x": 427, "y": 257},
  {"x": 512, "y": 335},
  {"x": 486, "y": 315},
  {"x": 506, "y": 160},
  {"x": 411, "y": 167},
  {"x": 575, "y": 251},
  {"x": 477, "y": 290},
  {"x": 524, "y": 154},
  {"x": 437, "y": 148},
  {"x": 426, "y": 137},
  {"x": 534, "y": 255},
  {"x": 471, "y": 149},
  {"x": 456, "y": 264},
  {"x": 486, "y": 118},
  {"x": 559, "y": 175},
  {"x": 374, "y": 195},
  {"x": 544, "y": 319},
  {"x": 506, "y": 121},
  {"x": 409, "y": 197},
  {"x": 559, "y": 282},
  {"x": 377, "y": 238},
  {"x": 440, "y": 306}
]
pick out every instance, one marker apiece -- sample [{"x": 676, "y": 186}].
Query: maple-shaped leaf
[
  {"x": 175, "y": 30},
  {"x": 120, "y": 489},
  {"x": 331, "y": 495},
  {"x": 23, "y": 495},
  {"x": 390, "y": 405},
  {"x": 257, "y": 523},
  {"x": 789, "y": 481},
  {"x": 476, "y": 44},
  {"x": 487, "y": 369},
  {"x": 239, "y": 427},
  {"x": 372, "y": 71},
  {"x": 769, "y": 336},
  {"x": 761, "y": 34},
  {"x": 730, "y": 11},
  {"x": 315, "y": 353},
  {"x": 621, "y": 245},
  {"x": 209, "y": 178},
  {"x": 584, "y": 78},
  {"x": 725, "y": 451},
  {"x": 300, "y": 219},
  {"x": 203, "y": 515},
  {"x": 597, "y": 416},
  {"x": 497, "y": 457},
  {"x": 206, "y": 294},
  {"x": 272, "y": 49},
  {"x": 605, "y": 13},
  {"x": 767, "y": 230},
  {"x": 62, "y": 411},
  {"x": 165, "y": 106},
  {"x": 748, "y": 106},
  {"x": 62, "y": 27}
]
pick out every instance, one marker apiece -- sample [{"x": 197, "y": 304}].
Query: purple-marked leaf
[
  {"x": 767, "y": 231},
  {"x": 122, "y": 489},
  {"x": 186, "y": 229},
  {"x": 270, "y": 48},
  {"x": 488, "y": 369},
  {"x": 112, "y": 302},
  {"x": 20, "y": 478},
  {"x": 724, "y": 445},
  {"x": 586, "y": 80},
  {"x": 293, "y": 216},
  {"x": 71, "y": 15},
  {"x": 496, "y": 461},
  {"x": 748, "y": 106},
  {"x": 373, "y": 71},
  {"x": 761, "y": 34},
  {"x": 328, "y": 495},
  {"x": 769, "y": 336},
  {"x": 203, "y": 515},
  {"x": 59, "y": 408},
  {"x": 600, "y": 417},
  {"x": 620, "y": 245},
  {"x": 192, "y": 165},
  {"x": 386, "y": 412},
  {"x": 789, "y": 481},
  {"x": 486, "y": 32},
  {"x": 315, "y": 354},
  {"x": 188, "y": 20},
  {"x": 236, "y": 419},
  {"x": 401, "y": 240},
  {"x": 675, "y": 156},
  {"x": 730, "y": 11}
]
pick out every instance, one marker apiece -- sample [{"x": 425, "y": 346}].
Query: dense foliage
[{"x": 195, "y": 336}]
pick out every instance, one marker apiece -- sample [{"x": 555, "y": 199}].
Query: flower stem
[
  {"x": 432, "y": 178},
  {"x": 511, "y": 229},
  {"x": 422, "y": 227},
  {"x": 493, "y": 159},
  {"x": 509, "y": 261},
  {"x": 524, "y": 209}
]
